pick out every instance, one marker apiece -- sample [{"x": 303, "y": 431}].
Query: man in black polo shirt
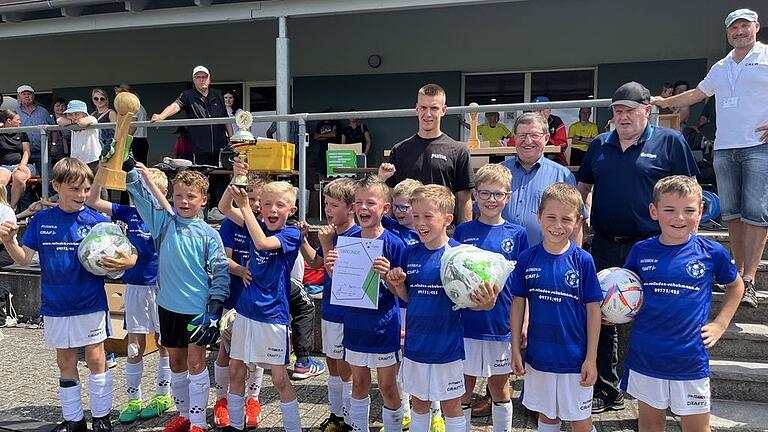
[
  {"x": 621, "y": 168},
  {"x": 431, "y": 156},
  {"x": 201, "y": 102}
]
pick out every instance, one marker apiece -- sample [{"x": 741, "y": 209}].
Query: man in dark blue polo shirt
[{"x": 621, "y": 168}]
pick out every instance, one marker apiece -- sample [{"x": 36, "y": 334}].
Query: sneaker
[
  {"x": 252, "y": 413},
  {"x": 111, "y": 359},
  {"x": 156, "y": 407},
  {"x": 306, "y": 370},
  {"x": 71, "y": 426},
  {"x": 599, "y": 404},
  {"x": 437, "y": 424},
  {"x": 482, "y": 406},
  {"x": 198, "y": 429},
  {"x": 221, "y": 413},
  {"x": 177, "y": 424},
  {"x": 406, "y": 422},
  {"x": 130, "y": 411},
  {"x": 750, "y": 297},
  {"x": 101, "y": 424},
  {"x": 331, "y": 424}
]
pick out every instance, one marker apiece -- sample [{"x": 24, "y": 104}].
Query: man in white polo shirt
[{"x": 740, "y": 83}]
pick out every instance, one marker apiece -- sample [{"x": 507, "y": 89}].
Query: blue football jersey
[
  {"x": 506, "y": 239},
  {"x": 666, "y": 338},
  {"x": 377, "y": 330},
  {"x": 558, "y": 288},
  {"x": 407, "y": 235},
  {"x": 332, "y": 312},
  {"x": 236, "y": 238},
  {"x": 266, "y": 298},
  {"x": 68, "y": 289},
  {"x": 145, "y": 270}
]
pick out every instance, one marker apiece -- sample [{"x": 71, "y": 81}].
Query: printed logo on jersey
[
  {"x": 83, "y": 231},
  {"x": 695, "y": 268},
  {"x": 508, "y": 245},
  {"x": 571, "y": 278}
]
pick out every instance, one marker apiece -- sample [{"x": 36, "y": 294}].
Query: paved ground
[{"x": 29, "y": 396}]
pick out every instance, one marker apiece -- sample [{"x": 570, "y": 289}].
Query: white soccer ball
[
  {"x": 104, "y": 240},
  {"x": 463, "y": 268},
  {"x": 622, "y": 295}
]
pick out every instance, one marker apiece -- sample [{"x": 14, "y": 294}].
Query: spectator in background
[
  {"x": 581, "y": 134},
  {"x": 684, "y": 112},
  {"x": 58, "y": 140},
  {"x": 182, "y": 149},
  {"x": 103, "y": 114},
  {"x": 326, "y": 131},
  {"x": 140, "y": 145},
  {"x": 32, "y": 114},
  {"x": 356, "y": 132},
  {"x": 493, "y": 131},
  {"x": 14, "y": 157},
  {"x": 233, "y": 106}
]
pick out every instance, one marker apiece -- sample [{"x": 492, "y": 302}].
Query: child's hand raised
[
  {"x": 239, "y": 196},
  {"x": 485, "y": 295},
  {"x": 303, "y": 228},
  {"x": 711, "y": 333},
  {"x": 325, "y": 234},
  {"x": 239, "y": 167},
  {"x": 8, "y": 230},
  {"x": 143, "y": 170},
  {"x": 396, "y": 276},
  {"x": 588, "y": 373},
  {"x": 381, "y": 265}
]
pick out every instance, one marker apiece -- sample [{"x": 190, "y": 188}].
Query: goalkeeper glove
[{"x": 204, "y": 328}]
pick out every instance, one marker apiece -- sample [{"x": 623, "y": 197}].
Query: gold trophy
[
  {"x": 473, "y": 142},
  {"x": 242, "y": 142},
  {"x": 110, "y": 175}
]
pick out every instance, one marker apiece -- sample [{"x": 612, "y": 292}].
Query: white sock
[
  {"x": 359, "y": 411},
  {"x": 253, "y": 383},
  {"x": 467, "y": 410},
  {"x": 405, "y": 400},
  {"x": 455, "y": 424},
  {"x": 501, "y": 412},
  {"x": 291, "y": 419},
  {"x": 236, "y": 407},
  {"x": 199, "y": 389},
  {"x": 435, "y": 410},
  {"x": 100, "y": 393},
  {"x": 346, "y": 397},
  {"x": 71, "y": 402},
  {"x": 334, "y": 395},
  {"x": 221, "y": 380},
  {"x": 392, "y": 419},
  {"x": 163, "y": 386},
  {"x": 543, "y": 427},
  {"x": 180, "y": 392},
  {"x": 133, "y": 372},
  {"x": 419, "y": 422}
]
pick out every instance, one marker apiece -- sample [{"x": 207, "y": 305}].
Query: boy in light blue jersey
[
  {"x": 560, "y": 283},
  {"x": 260, "y": 331},
  {"x": 193, "y": 282},
  {"x": 432, "y": 369},
  {"x": 667, "y": 365},
  {"x": 74, "y": 303},
  {"x": 140, "y": 297},
  {"x": 372, "y": 336},
  {"x": 487, "y": 333}
]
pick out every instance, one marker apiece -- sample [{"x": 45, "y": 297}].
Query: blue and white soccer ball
[
  {"x": 622, "y": 295},
  {"x": 104, "y": 240}
]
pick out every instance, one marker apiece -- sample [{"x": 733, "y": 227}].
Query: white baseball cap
[
  {"x": 746, "y": 14},
  {"x": 200, "y": 69},
  {"x": 24, "y": 88}
]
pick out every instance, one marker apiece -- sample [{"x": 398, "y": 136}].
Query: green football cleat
[
  {"x": 130, "y": 411},
  {"x": 156, "y": 407}
]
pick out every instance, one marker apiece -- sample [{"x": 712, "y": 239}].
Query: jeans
[{"x": 742, "y": 183}]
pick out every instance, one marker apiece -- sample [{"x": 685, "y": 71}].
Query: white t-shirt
[
  {"x": 6, "y": 214},
  {"x": 141, "y": 116},
  {"x": 85, "y": 144},
  {"x": 741, "y": 91}
]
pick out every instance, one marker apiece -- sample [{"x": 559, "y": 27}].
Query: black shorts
[{"x": 173, "y": 328}]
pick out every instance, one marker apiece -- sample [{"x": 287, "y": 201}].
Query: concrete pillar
[{"x": 283, "y": 75}]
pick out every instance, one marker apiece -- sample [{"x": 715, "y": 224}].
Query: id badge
[{"x": 731, "y": 102}]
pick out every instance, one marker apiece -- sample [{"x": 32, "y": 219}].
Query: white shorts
[
  {"x": 682, "y": 397},
  {"x": 485, "y": 358},
  {"x": 140, "y": 309},
  {"x": 371, "y": 360},
  {"x": 557, "y": 395},
  {"x": 333, "y": 335},
  {"x": 432, "y": 382},
  {"x": 76, "y": 331},
  {"x": 258, "y": 342}
]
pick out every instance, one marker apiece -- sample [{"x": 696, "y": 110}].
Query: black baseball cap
[{"x": 632, "y": 94}]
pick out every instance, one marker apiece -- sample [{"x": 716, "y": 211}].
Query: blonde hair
[
  {"x": 680, "y": 185},
  {"x": 71, "y": 170},
  {"x": 405, "y": 188},
  {"x": 4, "y": 195},
  {"x": 493, "y": 173},
  {"x": 439, "y": 195},
  {"x": 192, "y": 179},
  {"x": 432, "y": 90},
  {"x": 282, "y": 188},
  {"x": 373, "y": 182},
  {"x": 342, "y": 189},
  {"x": 564, "y": 194},
  {"x": 158, "y": 178}
]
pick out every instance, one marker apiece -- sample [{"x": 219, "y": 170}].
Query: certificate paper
[{"x": 355, "y": 282}]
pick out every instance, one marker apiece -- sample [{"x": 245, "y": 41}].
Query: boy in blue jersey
[
  {"x": 402, "y": 223},
  {"x": 667, "y": 364},
  {"x": 339, "y": 199},
  {"x": 560, "y": 283},
  {"x": 140, "y": 297},
  {"x": 74, "y": 303},
  {"x": 487, "y": 334},
  {"x": 236, "y": 240},
  {"x": 432, "y": 369},
  {"x": 193, "y": 282},
  {"x": 372, "y": 336},
  {"x": 260, "y": 331}
]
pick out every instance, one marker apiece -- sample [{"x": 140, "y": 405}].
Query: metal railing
[{"x": 302, "y": 120}]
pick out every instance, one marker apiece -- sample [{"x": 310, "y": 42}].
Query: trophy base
[{"x": 110, "y": 178}]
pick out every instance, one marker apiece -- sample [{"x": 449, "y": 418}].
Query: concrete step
[
  {"x": 738, "y": 416},
  {"x": 742, "y": 342},
  {"x": 739, "y": 380},
  {"x": 722, "y": 238},
  {"x": 744, "y": 314}
]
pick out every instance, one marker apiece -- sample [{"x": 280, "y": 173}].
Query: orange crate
[{"x": 271, "y": 156}]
